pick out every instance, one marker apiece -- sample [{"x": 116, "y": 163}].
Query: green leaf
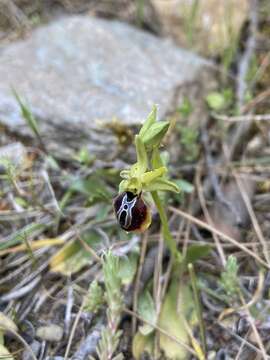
[
  {"x": 178, "y": 305},
  {"x": 27, "y": 114},
  {"x": 21, "y": 202},
  {"x": 93, "y": 187},
  {"x": 84, "y": 157},
  {"x": 70, "y": 259},
  {"x": 151, "y": 119},
  {"x": 186, "y": 108},
  {"x": 195, "y": 252},
  {"x": 185, "y": 186},
  {"x": 142, "y": 344},
  {"x": 147, "y": 311},
  {"x": 162, "y": 184},
  {"x": 73, "y": 256},
  {"x": 102, "y": 212},
  {"x": 216, "y": 101},
  {"x": 128, "y": 268}
]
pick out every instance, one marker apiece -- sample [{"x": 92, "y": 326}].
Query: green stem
[{"x": 170, "y": 242}]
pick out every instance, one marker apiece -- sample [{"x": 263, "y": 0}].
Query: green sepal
[
  {"x": 151, "y": 119},
  {"x": 142, "y": 161},
  {"x": 162, "y": 184},
  {"x": 153, "y": 137}
]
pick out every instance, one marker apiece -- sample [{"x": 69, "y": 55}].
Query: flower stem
[{"x": 165, "y": 227}]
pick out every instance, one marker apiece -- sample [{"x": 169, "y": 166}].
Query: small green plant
[
  {"x": 189, "y": 141},
  {"x": 140, "y": 12},
  {"x": 110, "y": 335},
  {"x": 30, "y": 119},
  {"x": 220, "y": 100},
  {"x": 190, "y": 21},
  {"x": 229, "y": 280},
  {"x": 94, "y": 298},
  {"x": 147, "y": 175}
]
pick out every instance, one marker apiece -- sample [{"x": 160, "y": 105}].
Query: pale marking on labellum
[{"x": 126, "y": 206}]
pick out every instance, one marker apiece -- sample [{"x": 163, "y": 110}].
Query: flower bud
[{"x": 132, "y": 213}]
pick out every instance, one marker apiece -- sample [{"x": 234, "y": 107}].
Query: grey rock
[
  {"x": 88, "y": 346},
  {"x": 35, "y": 346},
  {"x": 80, "y": 71}
]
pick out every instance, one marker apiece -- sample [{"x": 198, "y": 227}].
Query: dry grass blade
[
  {"x": 253, "y": 218},
  {"x": 242, "y": 340},
  {"x": 73, "y": 329},
  {"x": 255, "y": 331},
  {"x": 219, "y": 233},
  {"x": 34, "y": 246},
  {"x": 209, "y": 220},
  {"x": 4, "y": 327}
]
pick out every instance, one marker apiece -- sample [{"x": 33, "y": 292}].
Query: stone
[
  {"x": 52, "y": 332},
  {"x": 79, "y": 73}
]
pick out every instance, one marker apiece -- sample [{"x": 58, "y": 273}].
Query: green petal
[
  {"x": 124, "y": 174},
  {"x": 161, "y": 184},
  {"x": 150, "y": 176}
]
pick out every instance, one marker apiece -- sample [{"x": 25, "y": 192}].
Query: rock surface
[{"x": 80, "y": 71}]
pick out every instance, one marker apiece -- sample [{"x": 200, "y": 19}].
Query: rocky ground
[{"x": 78, "y": 78}]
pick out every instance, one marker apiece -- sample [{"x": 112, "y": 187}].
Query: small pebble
[{"x": 53, "y": 333}]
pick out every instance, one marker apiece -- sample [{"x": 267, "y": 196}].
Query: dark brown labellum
[{"x": 131, "y": 212}]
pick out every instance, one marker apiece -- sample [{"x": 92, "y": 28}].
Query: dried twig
[
  {"x": 70, "y": 301},
  {"x": 253, "y": 218},
  {"x": 219, "y": 233},
  {"x": 18, "y": 293},
  {"x": 209, "y": 220},
  {"x": 214, "y": 179}
]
